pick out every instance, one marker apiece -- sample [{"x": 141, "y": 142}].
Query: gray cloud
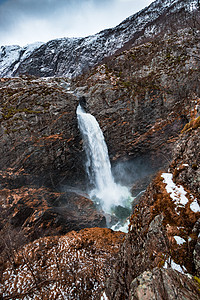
[{"x": 26, "y": 21}]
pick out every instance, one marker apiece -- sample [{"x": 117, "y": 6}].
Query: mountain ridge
[{"x": 70, "y": 57}]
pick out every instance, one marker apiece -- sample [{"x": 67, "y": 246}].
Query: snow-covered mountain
[{"x": 72, "y": 56}]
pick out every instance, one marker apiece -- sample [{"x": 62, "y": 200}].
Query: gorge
[{"x": 145, "y": 96}]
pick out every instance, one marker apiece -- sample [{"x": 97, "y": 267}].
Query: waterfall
[{"x": 106, "y": 191}]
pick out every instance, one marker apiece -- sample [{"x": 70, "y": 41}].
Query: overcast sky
[{"x": 28, "y": 21}]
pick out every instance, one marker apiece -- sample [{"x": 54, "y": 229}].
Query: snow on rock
[
  {"x": 72, "y": 56},
  {"x": 104, "y": 297},
  {"x": 174, "y": 266},
  {"x": 177, "y": 193},
  {"x": 179, "y": 240},
  {"x": 8, "y": 55},
  {"x": 11, "y": 57},
  {"x": 194, "y": 206}
]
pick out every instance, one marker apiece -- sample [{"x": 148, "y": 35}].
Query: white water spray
[{"x": 106, "y": 192}]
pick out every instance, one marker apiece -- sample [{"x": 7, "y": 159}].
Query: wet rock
[{"x": 82, "y": 102}]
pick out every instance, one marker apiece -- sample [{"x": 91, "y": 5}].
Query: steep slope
[
  {"x": 163, "y": 243},
  {"x": 72, "y": 56}
]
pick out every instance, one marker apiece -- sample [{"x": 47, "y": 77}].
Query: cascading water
[{"x": 106, "y": 192}]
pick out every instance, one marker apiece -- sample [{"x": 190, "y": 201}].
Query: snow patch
[
  {"x": 179, "y": 240},
  {"x": 170, "y": 263},
  {"x": 12, "y": 56},
  {"x": 194, "y": 206},
  {"x": 104, "y": 297},
  {"x": 177, "y": 267},
  {"x": 177, "y": 193}
]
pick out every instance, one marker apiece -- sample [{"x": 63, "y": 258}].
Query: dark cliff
[
  {"x": 38, "y": 128},
  {"x": 143, "y": 97},
  {"x": 164, "y": 229}
]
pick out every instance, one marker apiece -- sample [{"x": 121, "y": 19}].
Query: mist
[{"x": 141, "y": 168}]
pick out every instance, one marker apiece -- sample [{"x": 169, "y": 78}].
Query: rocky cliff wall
[
  {"x": 141, "y": 104},
  {"x": 39, "y": 133},
  {"x": 143, "y": 97},
  {"x": 162, "y": 245},
  {"x": 41, "y": 153}
]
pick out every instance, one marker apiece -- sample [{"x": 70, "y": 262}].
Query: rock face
[
  {"x": 39, "y": 212},
  {"x": 73, "y": 56},
  {"x": 163, "y": 284},
  {"x": 39, "y": 133},
  {"x": 163, "y": 239},
  {"x": 143, "y": 97},
  {"x": 40, "y": 153}
]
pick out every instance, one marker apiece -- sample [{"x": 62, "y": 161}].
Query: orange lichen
[
  {"x": 193, "y": 124},
  {"x": 75, "y": 265}
]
